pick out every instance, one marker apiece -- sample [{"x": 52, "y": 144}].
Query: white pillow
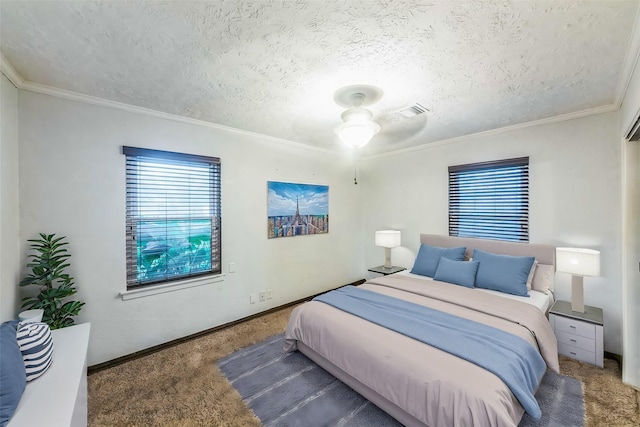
[
  {"x": 531, "y": 273},
  {"x": 36, "y": 345},
  {"x": 543, "y": 278}
]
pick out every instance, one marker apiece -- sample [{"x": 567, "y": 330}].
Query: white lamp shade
[
  {"x": 357, "y": 129},
  {"x": 388, "y": 238},
  {"x": 357, "y": 134},
  {"x": 580, "y": 262}
]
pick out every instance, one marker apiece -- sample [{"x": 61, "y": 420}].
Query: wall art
[{"x": 297, "y": 209}]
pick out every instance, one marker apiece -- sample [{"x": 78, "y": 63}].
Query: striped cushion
[{"x": 36, "y": 346}]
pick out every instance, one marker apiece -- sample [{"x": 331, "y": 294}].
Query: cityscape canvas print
[{"x": 297, "y": 209}]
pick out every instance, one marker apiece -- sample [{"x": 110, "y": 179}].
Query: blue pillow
[
  {"x": 503, "y": 273},
  {"x": 12, "y": 373},
  {"x": 428, "y": 258},
  {"x": 457, "y": 272}
]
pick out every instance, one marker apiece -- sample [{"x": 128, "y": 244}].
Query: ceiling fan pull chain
[{"x": 355, "y": 172}]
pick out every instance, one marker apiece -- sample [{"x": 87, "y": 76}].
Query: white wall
[
  {"x": 72, "y": 182},
  {"x": 631, "y": 294},
  {"x": 631, "y": 222},
  {"x": 9, "y": 220},
  {"x": 575, "y": 198}
]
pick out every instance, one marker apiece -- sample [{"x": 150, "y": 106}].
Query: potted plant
[{"x": 48, "y": 264}]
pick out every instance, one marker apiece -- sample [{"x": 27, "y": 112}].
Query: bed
[{"x": 421, "y": 384}]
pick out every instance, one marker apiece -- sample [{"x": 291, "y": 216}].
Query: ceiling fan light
[
  {"x": 358, "y": 127},
  {"x": 356, "y": 115},
  {"x": 357, "y": 134}
]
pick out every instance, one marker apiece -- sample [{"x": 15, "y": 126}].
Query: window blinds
[
  {"x": 173, "y": 216},
  {"x": 490, "y": 200}
]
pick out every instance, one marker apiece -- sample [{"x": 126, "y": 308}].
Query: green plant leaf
[{"x": 48, "y": 261}]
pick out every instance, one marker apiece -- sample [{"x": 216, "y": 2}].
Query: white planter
[{"x": 31, "y": 316}]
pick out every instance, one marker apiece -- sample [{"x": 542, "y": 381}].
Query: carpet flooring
[
  {"x": 288, "y": 389},
  {"x": 181, "y": 385}
]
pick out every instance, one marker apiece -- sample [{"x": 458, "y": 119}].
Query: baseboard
[{"x": 123, "y": 359}]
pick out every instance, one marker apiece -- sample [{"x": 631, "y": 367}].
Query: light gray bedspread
[{"x": 433, "y": 386}]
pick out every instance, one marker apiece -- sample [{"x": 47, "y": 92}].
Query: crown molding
[
  {"x": 630, "y": 62},
  {"x": 555, "y": 119},
  {"x": 11, "y": 73},
  {"x": 17, "y": 80},
  {"x": 88, "y": 99}
]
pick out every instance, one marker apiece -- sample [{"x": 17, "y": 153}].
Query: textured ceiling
[{"x": 272, "y": 67}]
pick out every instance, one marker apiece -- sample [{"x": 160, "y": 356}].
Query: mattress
[
  {"x": 416, "y": 383},
  {"x": 541, "y": 300}
]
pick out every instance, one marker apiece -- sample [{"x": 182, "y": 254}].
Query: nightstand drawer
[
  {"x": 577, "y": 327},
  {"x": 577, "y": 353},
  {"x": 575, "y": 340},
  {"x": 580, "y": 335}
]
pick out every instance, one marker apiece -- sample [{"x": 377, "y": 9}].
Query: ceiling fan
[{"x": 358, "y": 126}]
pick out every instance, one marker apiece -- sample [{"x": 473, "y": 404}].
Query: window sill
[{"x": 170, "y": 287}]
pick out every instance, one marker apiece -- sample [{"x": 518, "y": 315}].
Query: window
[
  {"x": 490, "y": 200},
  {"x": 173, "y": 216}
]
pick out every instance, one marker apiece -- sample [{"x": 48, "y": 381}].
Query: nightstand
[
  {"x": 579, "y": 334},
  {"x": 386, "y": 271}
]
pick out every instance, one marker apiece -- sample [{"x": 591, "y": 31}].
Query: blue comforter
[{"x": 512, "y": 359}]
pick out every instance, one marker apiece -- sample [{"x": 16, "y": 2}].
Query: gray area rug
[{"x": 288, "y": 389}]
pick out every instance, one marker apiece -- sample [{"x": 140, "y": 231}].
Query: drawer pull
[
  {"x": 573, "y": 340},
  {"x": 572, "y": 353},
  {"x": 572, "y": 327}
]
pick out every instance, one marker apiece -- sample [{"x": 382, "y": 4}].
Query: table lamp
[
  {"x": 387, "y": 239},
  {"x": 580, "y": 263}
]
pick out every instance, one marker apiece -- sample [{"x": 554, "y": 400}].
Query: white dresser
[
  {"x": 580, "y": 335},
  {"x": 59, "y": 397}
]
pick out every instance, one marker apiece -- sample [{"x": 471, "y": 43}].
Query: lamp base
[
  {"x": 387, "y": 258},
  {"x": 577, "y": 294}
]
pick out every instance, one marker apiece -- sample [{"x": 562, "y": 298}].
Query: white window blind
[
  {"x": 173, "y": 216},
  {"x": 490, "y": 200}
]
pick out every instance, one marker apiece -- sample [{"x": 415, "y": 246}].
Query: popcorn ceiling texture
[{"x": 272, "y": 67}]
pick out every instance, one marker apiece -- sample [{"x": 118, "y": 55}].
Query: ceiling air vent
[{"x": 414, "y": 110}]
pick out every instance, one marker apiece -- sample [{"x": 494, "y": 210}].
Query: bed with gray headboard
[
  {"x": 544, "y": 254},
  {"x": 541, "y": 283},
  {"x": 429, "y": 368}
]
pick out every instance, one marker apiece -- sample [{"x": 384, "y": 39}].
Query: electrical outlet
[
  {"x": 232, "y": 267},
  {"x": 269, "y": 293},
  {"x": 253, "y": 298},
  {"x": 263, "y": 295}
]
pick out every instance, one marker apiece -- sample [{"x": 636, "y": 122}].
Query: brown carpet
[{"x": 181, "y": 385}]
